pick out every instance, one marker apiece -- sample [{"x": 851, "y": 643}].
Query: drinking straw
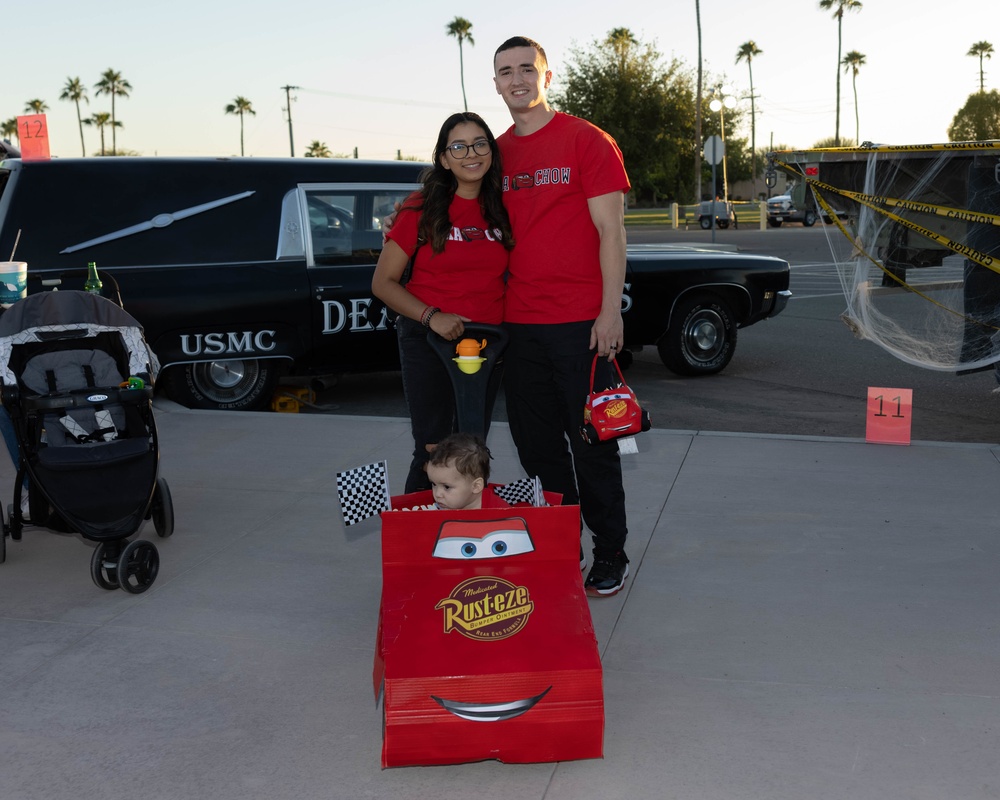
[{"x": 16, "y": 240}]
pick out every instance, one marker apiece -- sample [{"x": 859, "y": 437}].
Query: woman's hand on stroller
[{"x": 448, "y": 326}]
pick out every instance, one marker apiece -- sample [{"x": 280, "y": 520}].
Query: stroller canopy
[{"x": 30, "y": 319}]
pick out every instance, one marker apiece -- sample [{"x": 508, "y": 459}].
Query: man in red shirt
[{"x": 564, "y": 182}]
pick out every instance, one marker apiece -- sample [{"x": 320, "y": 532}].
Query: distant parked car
[{"x": 782, "y": 209}]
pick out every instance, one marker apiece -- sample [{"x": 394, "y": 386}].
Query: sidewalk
[{"x": 806, "y": 618}]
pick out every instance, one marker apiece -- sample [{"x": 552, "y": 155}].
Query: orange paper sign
[
  {"x": 889, "y": 415},
  {"x": 33, "y": 137}
]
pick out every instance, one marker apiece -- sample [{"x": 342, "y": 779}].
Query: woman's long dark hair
[{"x": 440, "y": 184}]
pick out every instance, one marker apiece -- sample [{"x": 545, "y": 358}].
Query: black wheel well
[{"x": 734, "y": 296}]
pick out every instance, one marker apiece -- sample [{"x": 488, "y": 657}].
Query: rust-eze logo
[
  {"x": 486, "y": 609},
  {"x": 616, "y": 408}
]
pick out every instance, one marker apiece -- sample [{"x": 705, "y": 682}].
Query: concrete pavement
[{"x": 805, "y": 618}]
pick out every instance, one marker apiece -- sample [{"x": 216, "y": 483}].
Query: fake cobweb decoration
[{"x": 915, "y": 235}]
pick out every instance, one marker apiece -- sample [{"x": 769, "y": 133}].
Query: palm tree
[
  {"x": 318, "y": 149},
  {"x": 8, "y": 128},
  {"x": 852, "y": 62},
  {"x": 76, "y": 91},
  {"x": 102, "y": 120},
  {"x": 747, "y": 52},
  {"x": 839, "y": 6},
  {"x": 112, "y": 83},
  {"x": 36, "y": 106},
  {"x": 240, "y": 106},
  {"x": 461, "y": 29},
  {"x": 982, "y": 50}
]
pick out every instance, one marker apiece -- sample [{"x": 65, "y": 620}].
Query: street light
[{"x": 722, "y": 100}]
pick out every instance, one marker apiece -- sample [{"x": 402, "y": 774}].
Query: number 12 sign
[
  {"x": 33, "y": 136},
  {"x": 889, "y": 415}
]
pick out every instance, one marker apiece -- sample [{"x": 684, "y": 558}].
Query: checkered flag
[
  {"x": 363, "y": 492},
  {"x": 525, "y": 490}
]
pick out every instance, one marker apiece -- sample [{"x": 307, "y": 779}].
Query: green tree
[
  {"x": 621, "y": 85},
  {"x": 981, "y": 50},
  {"x": 747, "y": 52},
  {"x": 853, "y": 62},
  {"x": 697, "y": 112},
  {"x": 112, "y": 83},
  {"x": 318, "y": 149},
  {"x": 74, "y": 90},
  {"x": 978, "y": 120},
  {"x": 461, "y": 29},
  {"x": 102, "y": 120},
  {"x": 240, "y": 106},
  {"x": 36, "y": 106},
  {"x": 839, "y": 7},
  {"x": 8, "y": 128}
]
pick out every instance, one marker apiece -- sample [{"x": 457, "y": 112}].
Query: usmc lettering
[{"x": 227, "y": 343}]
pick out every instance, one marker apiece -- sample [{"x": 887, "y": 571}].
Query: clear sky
[{"x": 382, "y": 76}]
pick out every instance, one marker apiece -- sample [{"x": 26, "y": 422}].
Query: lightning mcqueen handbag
[{"x": 613, "y": 412}]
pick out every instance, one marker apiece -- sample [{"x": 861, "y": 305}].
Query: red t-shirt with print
[
  {"x": 548, "y": 177},
  {"x": 467, "y": 278}
]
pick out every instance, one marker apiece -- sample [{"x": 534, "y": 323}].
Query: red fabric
[
  {"x": 467, "y": 278},
  {"x": 549, "y": 175}
]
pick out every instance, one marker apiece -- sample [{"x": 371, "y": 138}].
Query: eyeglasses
[{"x": 458, "y": 150}]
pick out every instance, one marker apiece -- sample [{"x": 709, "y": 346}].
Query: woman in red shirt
[{"x": 457, "y": 233}]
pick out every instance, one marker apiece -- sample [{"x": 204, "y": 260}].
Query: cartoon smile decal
[
  {"x": 489, "y": 712},
  {"x": 488, "y": 539}
]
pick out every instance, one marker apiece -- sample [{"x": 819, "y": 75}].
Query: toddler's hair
[{"x": 470, "y": 454}]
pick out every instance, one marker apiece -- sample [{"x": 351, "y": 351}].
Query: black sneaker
[{"x": 607, "y": 576}]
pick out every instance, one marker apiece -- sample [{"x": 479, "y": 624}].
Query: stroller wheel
[
  {"x": 162, "y": 509},
  {"x": 137, "y": 566},
  {"x": 104, "y": 566}
]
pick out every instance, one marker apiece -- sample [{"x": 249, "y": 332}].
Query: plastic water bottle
[{"x": 93, "y": 283}]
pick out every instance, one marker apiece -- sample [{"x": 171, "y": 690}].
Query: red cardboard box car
[{"x": 485, "y": 647}]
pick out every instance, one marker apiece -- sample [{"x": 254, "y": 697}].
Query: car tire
[
  {"x": 722, "y": 223},
  {"x": 234, "y": 385},
  {"x": 705, "y": 222},
  {"x": 809, "y": 219},
  {"x": 774, "y": 223},
  {"x": 701, "y": 337}
]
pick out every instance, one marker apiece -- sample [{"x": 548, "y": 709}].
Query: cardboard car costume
[{"x": 485, "y": 646}]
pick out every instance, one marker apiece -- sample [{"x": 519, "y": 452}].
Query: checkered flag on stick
[
  {"x": 363, "y": 492},
  {"x": 525, "y": 490}
]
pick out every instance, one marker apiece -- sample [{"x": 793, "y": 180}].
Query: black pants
[
  {"x": 430, "y": 397},
  {"x": 546, "y": 382}
]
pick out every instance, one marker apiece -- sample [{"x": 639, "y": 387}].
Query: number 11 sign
[{"x": 889, "y": 415}]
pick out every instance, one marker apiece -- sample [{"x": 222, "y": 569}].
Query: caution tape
[
  {"x": 874, "y": 203},
  {"x": 867, "y": 147},
  {"x": 903, "y": 284}
]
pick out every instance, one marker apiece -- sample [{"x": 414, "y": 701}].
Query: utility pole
[{"x": 288, "y": 101}]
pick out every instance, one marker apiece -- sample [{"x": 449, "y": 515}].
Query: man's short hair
[
  {"x": 522, "y": 41},
  {"x": 469, "y": 453}
]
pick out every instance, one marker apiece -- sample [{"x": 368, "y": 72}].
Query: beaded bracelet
[{"x": 425, "y": 318}]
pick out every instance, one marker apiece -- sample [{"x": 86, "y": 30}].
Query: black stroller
[{"x": 77, "y": 381}]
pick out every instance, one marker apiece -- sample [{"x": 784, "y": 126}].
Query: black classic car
[{"x": 245, "y": 270}]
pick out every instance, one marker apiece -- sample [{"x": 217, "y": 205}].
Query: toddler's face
[{"x": 452, "y": 489}]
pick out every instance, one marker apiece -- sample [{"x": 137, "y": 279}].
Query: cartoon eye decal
[{"x": 493, "y": 544}]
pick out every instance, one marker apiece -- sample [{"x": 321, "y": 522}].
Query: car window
[{"x": 344, "y": 223}]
